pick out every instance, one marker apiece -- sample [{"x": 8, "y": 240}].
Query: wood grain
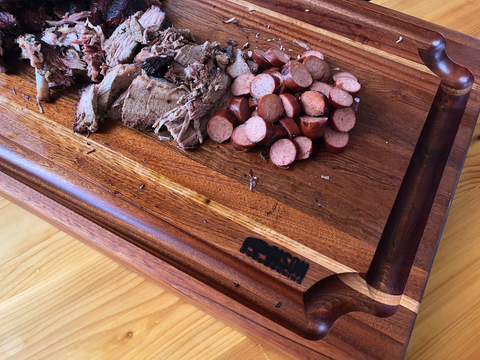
[{"x": 235, "y": 347}]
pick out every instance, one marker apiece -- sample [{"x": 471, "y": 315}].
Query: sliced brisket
[
  {"x": 115, "y": 82},
  {"x": 86, "y": 118}
]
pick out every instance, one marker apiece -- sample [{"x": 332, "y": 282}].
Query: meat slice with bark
[
  {"x": 58, "y": 65},
  {"x": 115, "y": 82},
  {"x": 147, "y": 99},
  {"x": 86, "y": 118}
]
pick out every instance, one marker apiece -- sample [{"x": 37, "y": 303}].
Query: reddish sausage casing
[
  {"x": 340, "y": 98},
  {"x": 313, "y": 127},
  {"x": 239, "y": 107},
  {"x": 304, "y": 147},
  {"x": 348, "y": 84},
  {"x": 296, "y": 77},
  {"x": 239, "y": 140},
  {"x": 270, "y": 108},
  {"x": 291, "y": 127},
  {"x": 220, "y": 126},
  {"x": 290, "y": 105},
  {"x": 276, "y": 57},
  {"x": 335, "y": 141},
  {"x": 278, "y": 132},
  {"x": 259, "y": 58}
]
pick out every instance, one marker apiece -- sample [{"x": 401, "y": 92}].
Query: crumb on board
[
  {"x": 253, "y": 180},
  {"x": 26, "y": 97},
  {"x": 302, "y": 44},
  {"x": 232, "y": 42},
  {"x": 399, "y": 39},
  {"x": 336, "y": 69},
  {"x": 277, "y": 305},
  {"x": 257, "y": 35},
  {"x": 251, "y": 9},
  {"x": 306, "y": 10},
  {"x": 141, "y": 187},
  {"x": 270, "y": 39},
  {"x": 250, "y": 54},
  {"x": 230, "y": 21},
  {"x": 273, "y": 209},
  {"x": 164, "y": 138},
  {"x": 246, "y": 45},
  {"x": 90, "y": 151},
  {"x": 325, "y": 177},
  {"x": 265, "y": 155},
  {"x": 14, "y": 91}
]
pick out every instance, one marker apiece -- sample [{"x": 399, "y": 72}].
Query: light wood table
[{"x": 59, "y": 299}]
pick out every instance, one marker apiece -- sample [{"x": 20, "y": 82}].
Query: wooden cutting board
[{"x": 206, "y": 197}]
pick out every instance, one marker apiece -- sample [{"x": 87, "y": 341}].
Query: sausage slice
[
  {"x": 258, "y": 130},
  {"x": 241, "y": 84},
  {"x": 340, "y": 98},
  {"x": 335, "y": 141},
  {"x": 291, "y": 127},
  {"x": 343, "y": 120},
  {"x": 270, "y": 108},
  {"x": 344, "y": 74},
  {"x": 296, "y": 77},
  {"x": 322, "y": 87},
  {"x": 290, "y": 105},
  {"x": 259, "y": 58},
  {"x": 239, "y": 107},
  {"x": 262, "y": 85},
  {"x": 220, "y": 126},
  {"x": 252, "y": 103},
  {"x": 304, "y": 147},
  {"x": 239, "y": 140},
  {"x": 312, "y": 53},
  {"x": 315, "y": 66},
  {"x": 283, "y": 153},
  {"x": 314, "y": 103},
  {"x": 278, "y": 132},
  {"x": 276, "y": 57},
  {"x": 348, "y": 84},
  {"x": 313, "y": 127},
  {"x": 271, "y": 70}
]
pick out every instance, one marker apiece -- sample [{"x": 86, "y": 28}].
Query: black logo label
[{"x": 276, "y": 259}]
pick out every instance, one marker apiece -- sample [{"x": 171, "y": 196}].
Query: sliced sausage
[
  {"x": 262, "y": 85},
  {"x": 327, "y": 77},
  {"x": 290, "y": 105},
  {"x": 314, "y": 103},
  {"x": 259, "y": 58},
  {"x": 312, "y": 53},
  {"x": 278, "y": 132},
  {"x": 340, "y": 98},
  {"x": 356, "y": 103},
  {"x": 343, "y": 120},
  {"x": 280, "y": 89},
  {"x": 239, "y": 107},
  {"x": 313, "y": 127},
  {"x": 304, "y": 147},
  {"x": 276, "y": 57},
  {"x": 258, "y": 130},
  {"x": 296, "y": 77},
  {"x": 271, "y": 70},
  {"x": 298, "y": 96},
  {"x": 220, "y": 126},
  {"x": 291, "y": 127},
  {"x": 239, "y": 140},
  {"x": 335, "y": 141},
  {"x": 322, "y": 87},
  {"x": 283, "y": 153},
  {"x": 344, "y": 74},
  {"x": 252, "y": 103},
  {"x": 315, "y": 66},
  {"x": 241, "y": 85},
  {"x": 270, "y": 108},
  {"x": 348, "y": 84}
]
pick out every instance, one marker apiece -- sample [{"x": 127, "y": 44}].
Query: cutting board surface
[{"x": 194, "y": 210}]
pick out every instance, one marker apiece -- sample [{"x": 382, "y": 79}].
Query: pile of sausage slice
[{"x": 289, "y": 104}]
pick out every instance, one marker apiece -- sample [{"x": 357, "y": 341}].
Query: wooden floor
[{"x": 60, "y": 299}]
